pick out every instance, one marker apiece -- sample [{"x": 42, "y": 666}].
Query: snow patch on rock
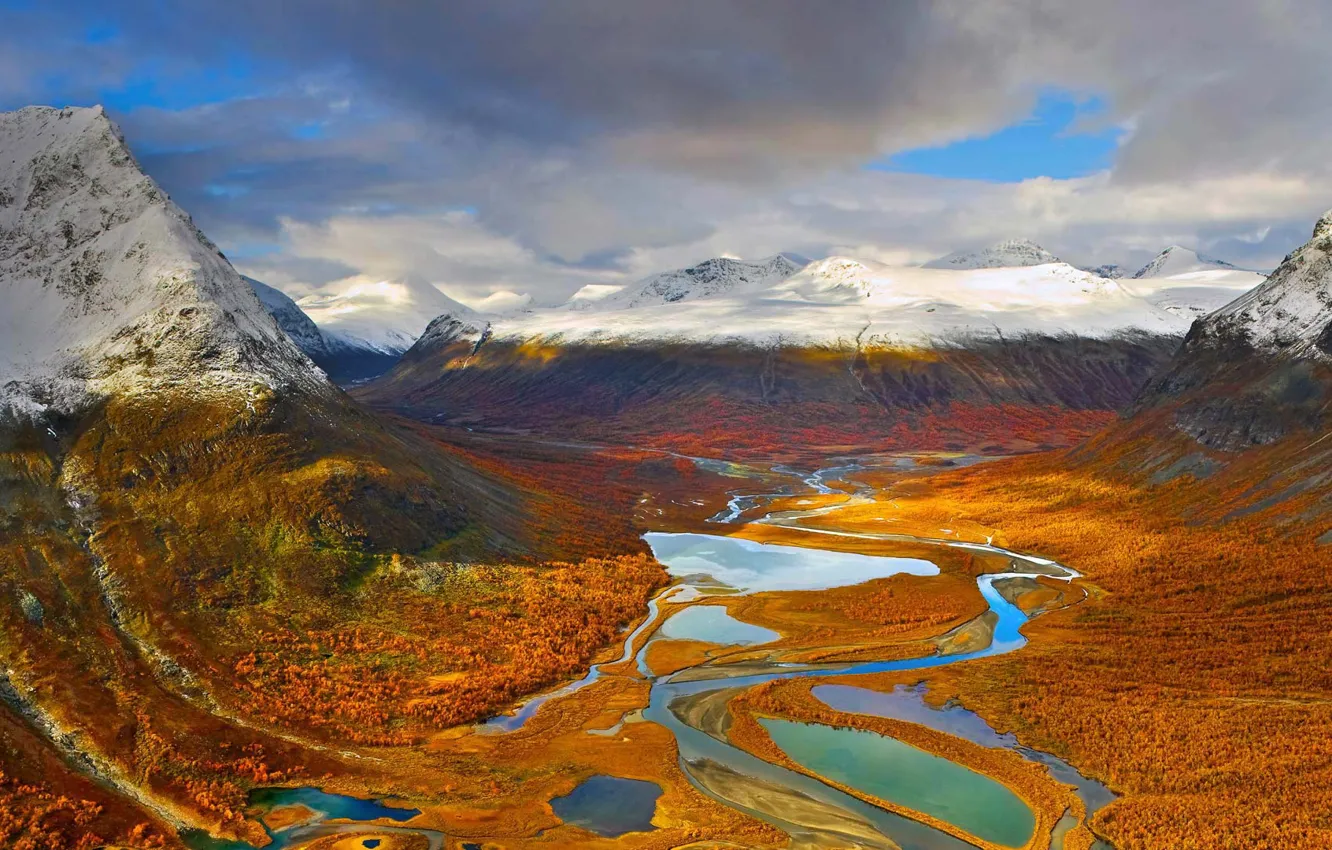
[
  {"x": 710, "y": 278},
  {"x": 1290, "y": 314}
]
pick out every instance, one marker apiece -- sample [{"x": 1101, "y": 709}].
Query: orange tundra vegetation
[
  {"x": 451, "y": 644},
  {"x": 715, "y": 427},
  {"x": 1196, "y": 679}
]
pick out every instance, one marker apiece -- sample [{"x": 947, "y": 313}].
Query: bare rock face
[{"x": 108, "y": 287}]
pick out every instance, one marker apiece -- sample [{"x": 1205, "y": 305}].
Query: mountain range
[
  {"x": 1012, "y": 287},
  {"x": 194, "y": 517}
]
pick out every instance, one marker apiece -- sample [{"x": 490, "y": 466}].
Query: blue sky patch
[{"x": 1045, "y": 144}]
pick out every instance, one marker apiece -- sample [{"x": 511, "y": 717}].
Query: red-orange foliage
[{"x": 483, "y": 637}]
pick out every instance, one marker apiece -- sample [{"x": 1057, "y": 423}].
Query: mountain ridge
[
  {"x": 110, "y": 286},
  {"x": 1010, "y": 253}
]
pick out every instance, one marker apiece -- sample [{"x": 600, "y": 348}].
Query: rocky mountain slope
[
  {"x": 1245, "y": 404},
  {"x": 179, "y": 484},
  {"x": 108, "y": 286},
  {"x": 1258, "y": 369},
  {"x": 292, "y": 319}
]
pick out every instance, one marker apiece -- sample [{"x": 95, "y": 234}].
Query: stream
[{"x": 691, "y": 703}]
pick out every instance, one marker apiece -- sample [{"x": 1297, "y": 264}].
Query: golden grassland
[{"x": 1194, "y": 679}]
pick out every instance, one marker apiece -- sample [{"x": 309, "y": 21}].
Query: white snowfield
[
  {"x": 382, "y": 316},
  {"x": 1185, "y": 283},
  {"x": 1291, "y": 313},
  {"x": 842, "y": 302},
  {"x": 107, "y": 286}
]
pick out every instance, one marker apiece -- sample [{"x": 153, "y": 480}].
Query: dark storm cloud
[{"x": 752, "y": 87}]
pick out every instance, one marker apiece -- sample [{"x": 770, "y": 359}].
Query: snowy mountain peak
[
  {"x": 1177, "y": 260},
  {"x": 717, "y": 276},
  {"x": 1011, "y": 253},
  {"x": 1324, "y": 226},
  {"x": 107, "y": 287},
  {"x": 1290, "y": 314},
  {"x": 384, "y": 316}
]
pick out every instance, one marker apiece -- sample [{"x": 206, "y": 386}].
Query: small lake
[
  {"x": 908, "y": 704},
  {"x": 714, "y": 624},
  {"x": 752, "y": 567},
  {"x": 325, "y": 806},
  {"x": 609, "y": 805},
  {"x": 891, "y": 770}
]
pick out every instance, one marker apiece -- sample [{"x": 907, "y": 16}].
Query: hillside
[
  {"x": 181, "y": 488},
  {"x": 841, "y": 352},
  {"x": 1258, "y": 370},
  {"x": 1203, "y": 521}
]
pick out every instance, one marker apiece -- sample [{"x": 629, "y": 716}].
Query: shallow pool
[
  {"x": 714, "y": 624},
  {"x": 899, "y": 773},
  {"x": 609, "y": 805},
  {"x": 752, "y": 567}
]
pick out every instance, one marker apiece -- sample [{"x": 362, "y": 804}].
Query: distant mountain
[
  {"x": 1177, "y": 260},
  {"x": 383, "y": 316},
  {"x": 1112, "y": 271},
  {"x": 718, "y": 276},
  {"x": 839, "y": 300},
  {"x": 367, "y": 325},
  {"x": 1012, "y": 253},
  {"x": 1190, "y": 285},
  {"x": 841, "y": 351}
]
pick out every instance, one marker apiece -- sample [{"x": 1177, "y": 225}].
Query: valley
[{"x": 992, "y": 552}]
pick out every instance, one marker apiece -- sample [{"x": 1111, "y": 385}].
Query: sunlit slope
[{"x": 214, "y": 565}]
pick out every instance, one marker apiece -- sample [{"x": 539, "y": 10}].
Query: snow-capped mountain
[
  {"x": 718, "y": 276},
  {"x": 841, "y": 300},
  {"x": 383, "y": 316},
  {"x": 1177, "y": 260},
  {"x": 1290, "y": 314},
  {"x": 1185, "y": 283},
  {"x": 291, "y": 318},
  {"x": 108, "y": 287},
  {"x": 1012, "y": 253}
]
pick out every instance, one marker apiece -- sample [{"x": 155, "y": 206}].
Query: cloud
[{"x": 521, "y": 146}]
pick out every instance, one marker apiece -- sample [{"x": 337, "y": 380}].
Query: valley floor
[{"x": 1180, "y": 683}]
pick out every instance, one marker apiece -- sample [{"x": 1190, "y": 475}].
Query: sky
[{"x": 507, "y": 148}]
